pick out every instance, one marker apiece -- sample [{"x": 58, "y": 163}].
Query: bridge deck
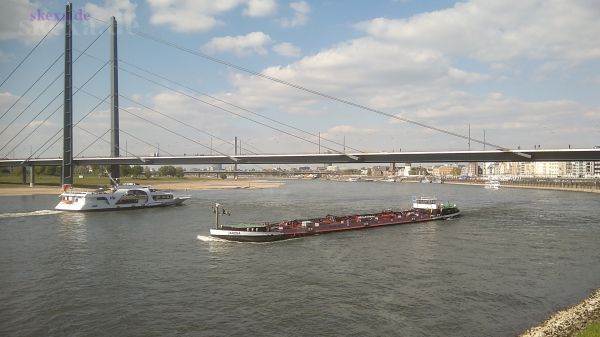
[{"x": 382, "y": 157}]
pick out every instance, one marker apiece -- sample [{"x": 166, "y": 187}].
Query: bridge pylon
[
  {"x": 67, "y": 160},
  {"x": 115, "y": 170}
]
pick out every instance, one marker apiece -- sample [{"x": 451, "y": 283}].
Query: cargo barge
[{"x": 423, "y": 209}]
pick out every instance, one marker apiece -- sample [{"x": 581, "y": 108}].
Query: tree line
[{"x": 133, "y": 171}]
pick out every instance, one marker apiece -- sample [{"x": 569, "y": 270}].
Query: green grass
[
  {"x": 592, "y": 330},
  {"x": 39, "y": 180}
]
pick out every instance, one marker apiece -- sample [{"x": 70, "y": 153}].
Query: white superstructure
[
  {"x": 492, "y": 184},
  {"x": 125, "y": 196},
  {"x": 425, "y": 203}
]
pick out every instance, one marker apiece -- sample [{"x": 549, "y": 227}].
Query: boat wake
[
  {"x": 205, "y": 238},
  {"x": 26, "y": 214}
]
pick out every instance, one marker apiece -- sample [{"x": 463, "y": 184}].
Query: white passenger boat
[
  {"x": 492, "y": 184},
  {"x": 119, "y": 197}
]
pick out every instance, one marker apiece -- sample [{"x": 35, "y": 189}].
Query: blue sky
[{"x": 526, "y": 72}]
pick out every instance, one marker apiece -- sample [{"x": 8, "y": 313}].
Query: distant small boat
[{"x": 492, "y": 184}]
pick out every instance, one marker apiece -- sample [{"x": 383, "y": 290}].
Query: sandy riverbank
[
  {"x": 218, "y": 184},
  {"x": 11, "y": 189},
  {"x": 530, "y": 187},
  {"x": 567, "y": 323}
]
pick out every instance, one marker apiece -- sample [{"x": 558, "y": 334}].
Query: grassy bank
[{"x": 592, "y": 330}]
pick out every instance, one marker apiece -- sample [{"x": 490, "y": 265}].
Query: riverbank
[
  {"x": 13, "y": 190},
  {"x": 535, "y": 187},
  {"x": 567, "y": 323}
]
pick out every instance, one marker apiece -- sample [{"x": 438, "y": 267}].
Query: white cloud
[
  {"x": 366, "y": 70},
  {"x": 258, "y": 8},
  {"x": 201, "y": 15},
  {"x": 122, "y": 10},
  {"x": 19, "y": 21},
  {"x": 301, "y": 11},
  {"x": 240, "y": 45},
  {"x": 188, "y": 16},
  {"x": 419, "y": 68},
  {"x": 287, "y": 49},
  {"x": 341, "y": 130},
  {"x": 493, "y": 31}
]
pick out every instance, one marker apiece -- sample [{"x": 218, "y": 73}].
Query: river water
[{"x": 512, "y": 259}]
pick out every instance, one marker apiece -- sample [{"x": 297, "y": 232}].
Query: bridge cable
[
  {"x": 167, "y": 116},
  {"x": 305, "y": 89},
  {"x": 92, "y": 143},
  {"x": 55, "y": 79},
  {"x": 177, "y": 120},
  {"x": 104, "y": 140},
  {"x": 31, "y": 51},
  {"x": 47, "y": 105},
  {"x": 19, "y": 115},
  {"x": 229, "y": 111},
  {"x": 34, "y": 83},
  {"x": 61, "y": 129},
  {"x": 24, "y": 127},
  {"x": 222, "y": 101},
  {"x": 163, "y": 127},
  {"x": 234, "y": 105},
  {"x": 143, "y": 141},
  {"x": 231, "y": 104}
]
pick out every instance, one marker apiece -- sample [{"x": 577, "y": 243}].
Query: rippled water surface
[{"x": 512, "y": 259}]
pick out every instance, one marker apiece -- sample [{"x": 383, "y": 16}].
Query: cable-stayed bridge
[
  {"x": 320, "y": 158},
  {"x": 117, "y": 157}
]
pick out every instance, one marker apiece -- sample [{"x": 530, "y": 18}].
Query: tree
[
  {"x": 52, "y": 171},
  {"x": 125, "y": 170},
  {"x": 147, "y": 172},
  {"x": 168, "y": 171},
  {"x": 80, "y": 170},
  {"x": 179, "y": 172},
  {"x": 418, "y": 171},
  {"x": 223, "y": 176},
  {"x": 137, "y": 171}
]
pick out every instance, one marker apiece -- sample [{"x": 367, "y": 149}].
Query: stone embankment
[
  {"x": 578, "y": 185},
  {"x": 567, "y": 323}
]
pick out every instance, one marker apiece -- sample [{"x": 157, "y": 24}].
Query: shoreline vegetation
[
  {"x": 569, "y": 322},
  {"x": 182, "y": 184}
]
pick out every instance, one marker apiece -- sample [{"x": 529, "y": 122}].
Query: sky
[{"x": 525, "y": 73}]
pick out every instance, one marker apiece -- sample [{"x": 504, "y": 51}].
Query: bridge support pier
[
  {"x": 407, "y": 167},
  {"x": 31, "y": 176}
]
